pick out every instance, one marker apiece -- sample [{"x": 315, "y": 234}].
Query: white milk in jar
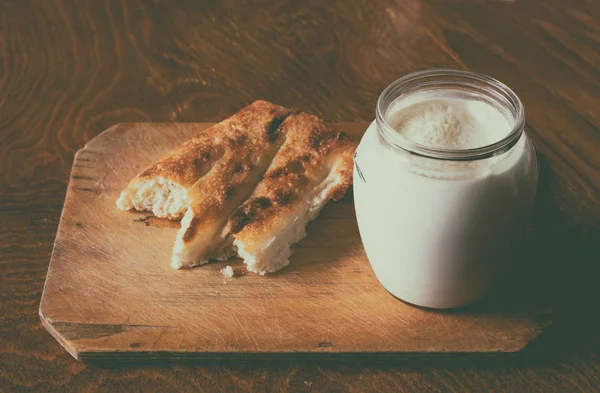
[{"x": 444, "y": 183}]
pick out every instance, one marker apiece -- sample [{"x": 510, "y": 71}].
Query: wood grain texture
[
  {"x": 110, "y": 292},
  {"x": 69, "y": 70}
]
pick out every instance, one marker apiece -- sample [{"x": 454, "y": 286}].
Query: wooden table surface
[{"x": 70, "y": 69}]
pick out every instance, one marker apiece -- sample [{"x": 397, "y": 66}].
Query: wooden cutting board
[{"x": 111, "y": 293}]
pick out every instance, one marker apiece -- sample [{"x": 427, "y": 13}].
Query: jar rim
[{"x": 500, "y": 93}]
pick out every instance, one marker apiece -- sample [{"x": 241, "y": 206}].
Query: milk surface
[{"x": 450, "y": 123}]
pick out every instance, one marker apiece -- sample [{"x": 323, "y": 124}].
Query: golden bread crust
[
  {"x": 311, "y": 153},
  {"x": 195, "y": 158},
  {"x": 249, "y": 147}
]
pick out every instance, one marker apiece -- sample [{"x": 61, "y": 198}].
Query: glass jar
[{"x": 438, "y": 224}]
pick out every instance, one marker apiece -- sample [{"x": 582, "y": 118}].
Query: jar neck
[{"x": 492, "y": 90}]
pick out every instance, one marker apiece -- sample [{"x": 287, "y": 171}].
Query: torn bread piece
[
  {"x": 162, "y": 188},
  {"x": 313, "y": 166},
  {"x": 248, "y": 153}
]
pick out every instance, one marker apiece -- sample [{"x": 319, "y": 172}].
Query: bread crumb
[{"x": 227, "y": 271}]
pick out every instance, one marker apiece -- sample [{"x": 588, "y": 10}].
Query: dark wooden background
[{"x": 69, "y": 69}]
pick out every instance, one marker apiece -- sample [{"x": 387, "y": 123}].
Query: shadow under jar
[{"x": 444, "y": 184}]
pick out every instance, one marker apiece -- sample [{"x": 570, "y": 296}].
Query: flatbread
[
  {"x": 162, "y": 188},
  {"x": 248, "y": 186},
  {"x": 249, "y": 149},
  {"x": 313, "y": 166}
]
